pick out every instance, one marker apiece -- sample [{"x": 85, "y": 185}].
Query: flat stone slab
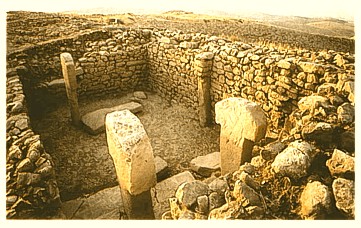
[
  {"x": 161, "y": 167},
  {"x": 207, "y": 164},
  {"x": 162, "y": 191},
  {"x": 105, "y": 204},
  {"x": 94, "y": 122}
]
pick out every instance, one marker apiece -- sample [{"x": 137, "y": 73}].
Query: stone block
[
  {"x": 344, "y": 192},
  {"x": 131, "y": 151},
  {"x": 242, "y": 123},
  {"x": 315, "y": 201},
  {"x": 94, "y": 122},
  {"x": 207, "y": 164},
  {"x": 166, "y": 189}
]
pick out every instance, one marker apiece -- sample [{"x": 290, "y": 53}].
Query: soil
[{"x": 82, "y": 162}]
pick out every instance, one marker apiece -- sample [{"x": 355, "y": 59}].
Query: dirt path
[{"x": 82, "y": 162}]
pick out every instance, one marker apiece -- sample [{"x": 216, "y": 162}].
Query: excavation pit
[{"x": 82, "y": 162}]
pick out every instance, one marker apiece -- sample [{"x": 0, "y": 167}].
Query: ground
[{"x": 82, "y": 162}]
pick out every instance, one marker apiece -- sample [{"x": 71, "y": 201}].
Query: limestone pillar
[
  {"x": 132, "y": 154},
  {"x": 69, "y": 75},
  {"x": 242, "y": 124},
  {"x": 203, "y": 67}
]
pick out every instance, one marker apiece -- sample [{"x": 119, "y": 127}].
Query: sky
[{"x": 310, "y": 8}]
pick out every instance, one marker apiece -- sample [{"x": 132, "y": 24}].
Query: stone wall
[
  {"x": 274, "y": 78},
  {"x": 253, "y": 32},
  {"x": 172, "y": 66},
  {"x": 31, "y": 187},
  {"x": 117, "y": 64},
  {"x": 40, "y": 69}
]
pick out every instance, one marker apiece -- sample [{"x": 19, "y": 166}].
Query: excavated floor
[{"x": 82, "y": 162}]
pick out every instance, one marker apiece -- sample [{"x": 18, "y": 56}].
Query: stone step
[{"x": 94, "y": 122}]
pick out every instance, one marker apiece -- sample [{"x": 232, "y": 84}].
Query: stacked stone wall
[
  {"x": 276, "y": 79},
  {"x": 31, "y": 187},
  {"x": 253, "y": 32},
  {"x": 117, "y": 64},
  {"x": 171, "y": 63}
]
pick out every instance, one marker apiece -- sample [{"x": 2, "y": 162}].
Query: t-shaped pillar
[
  {"x": 132, "y": 154},
  {"x": 242, "y": 124},
  {"x": 69, "y": 75}
]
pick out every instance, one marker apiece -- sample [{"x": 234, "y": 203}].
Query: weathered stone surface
[
  {"x": 340, "y": 163},
  {"x": 205, "y": 56},
  {"x": 347, "y": 140},
  {"x": 293, "y": 161},
  {"x": 105, "y": 204},
  {"x": 246, "y": 195},
  {"x": 202, "y": 204},
  {"x": 207, "y": 164},
  {"x": 242, "y": 123},
  {"x": 140, "y": 95},
  {"x": 166, "y": 189},
  {"x": 310, "y": 103},
  {"x": 161, "y": 167},
  {"x": 315, "y": 201},
  {"x": 320, "y": 132},
  {"x": 68, "y": 69},
  {"x": 344, "y": 192},
  {"x": 131, "y": 151},
  {"x": 215, "y": 200},
  {"x": 219, "y": 186},
  {"x": 346, "y": 113},
  {"x": 94, "y": 122},
  {"x": 234, "y": 111},
  {"x": 187, "y": 193},
  {"x": 270, "y": 151}
]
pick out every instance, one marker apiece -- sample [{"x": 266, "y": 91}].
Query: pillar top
[
  {"x": 127, "y": 127},
  {"x": 66, "y": 57}
]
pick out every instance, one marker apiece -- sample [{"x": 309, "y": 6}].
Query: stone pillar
[
  {"x": 132, "y": 154},
  {"x": 69, "y": 75},
  {"x": 242, "y": 124},
  {"x": 203, "y": 67}
]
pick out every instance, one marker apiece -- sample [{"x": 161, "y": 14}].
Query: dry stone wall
[
  {"x": 172, "y": 70},
  {"x": 31, "y": 187},
  {"x": 253, "y": 32},
  {"x": 115, "y": 64}
]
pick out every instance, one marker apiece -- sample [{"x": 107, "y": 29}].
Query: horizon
[{"x": 344, "y": 9}]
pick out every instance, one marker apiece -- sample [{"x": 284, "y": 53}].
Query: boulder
[
  {"x": 293, "y": 161},
  {"x": 344, "y": 192},
  {"x": 346, "y": 113},
  {"x": 270, "y": 151},
  {"x": 320, "y": 132},
  {"x": 315, "y": 201},
  {"x": 340, "y": 163},
  {"x": 246, "y": 195},
  {"x": 187, "y": 193},
  {"x": 313, "y": 102},
  {"x": 165, "y": 190},
  {"x": 207, "y": 164},
  {"x": 94, "y": 122},
  {"x": 347, "y": 140}
]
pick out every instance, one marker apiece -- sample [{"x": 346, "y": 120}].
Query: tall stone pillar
[
  {"x": 132, "y": 154},
  {"x": 69, "y": 75},
  {"x": 242, "y": 124},
  {"x": 203, "y": 67}
]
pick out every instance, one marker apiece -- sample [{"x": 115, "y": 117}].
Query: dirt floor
[{"x": 82, "y": 162}]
